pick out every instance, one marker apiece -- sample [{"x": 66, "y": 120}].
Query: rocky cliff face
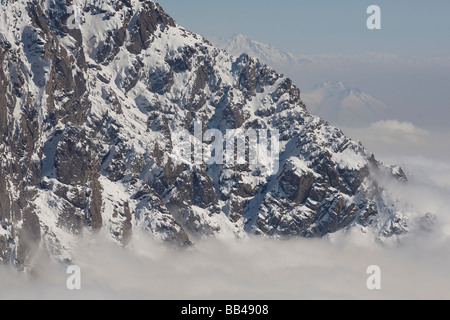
[{"x": 89, "y": 100}]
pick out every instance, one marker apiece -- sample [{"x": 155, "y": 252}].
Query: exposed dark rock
[
  {"x": 95, "y": 209},
  {"x": 73, "y": 158},
  {"x": 160, "y": 81},
  {"x": 296, "y": 187},
  {"x": 142, "y": 30},
  {"x": 127, "y": 230},
  {"x": 181, "y": 62}
]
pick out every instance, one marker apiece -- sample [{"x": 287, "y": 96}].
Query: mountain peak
[
  {"x": 239, "y": 44},
  {"x": 239, "y": 36},
  {"x": 344, "y": 105}
]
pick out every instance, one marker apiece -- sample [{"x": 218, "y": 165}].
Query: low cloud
[
  {"x": 251, "y": 269},
  {"x": 392, "y": 127},
  {"x": 393, "y": 137}
]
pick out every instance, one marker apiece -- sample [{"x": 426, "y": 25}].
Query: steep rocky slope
[{"x": 91, "y": 94}]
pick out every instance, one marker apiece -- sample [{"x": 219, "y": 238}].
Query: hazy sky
[{"x": 409, "y": 27}]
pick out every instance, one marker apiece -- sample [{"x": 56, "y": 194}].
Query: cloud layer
[
  {"x": 396, "y": 138},
  {"x": 253, "y": 269}
]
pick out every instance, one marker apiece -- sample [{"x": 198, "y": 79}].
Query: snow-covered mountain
[
  {"x": 90, "y": 98},
  {"x": 240, "y": 44},
  {"x": 343, "y": 105}
]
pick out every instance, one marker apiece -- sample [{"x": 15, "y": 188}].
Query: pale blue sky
[{"x": 409, "y": 27}]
